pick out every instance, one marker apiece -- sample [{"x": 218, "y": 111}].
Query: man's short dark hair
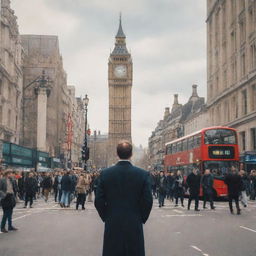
[{"x": 124, "y": 149}]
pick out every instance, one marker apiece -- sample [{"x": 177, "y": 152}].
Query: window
[
  {"x": 9, "y": 118},
  {"x": 185, "y": 145},
  {"x": 190, "y": 143},
  {"x": 253, "y": 97},
  {"x": 174, "y": 148},
  {"x": 242, "y": 31},
  {"x": 242, "y": 141},
  {"x": 1, "y": 115},
  {"x": 197, "y": 141},
  {"x": 233, "y": 72},
  {"x": 243, "y": 64},
  {"x": 244, "y": 102},
  {"x": 220, "y": 136},
  {"x": 225, "y": 79},
  {"x": 233, "y": 41},
  {"x": 253, "y": 138},
  {"x": 1, "y": 86},
  {"x": 253, "y": 56},
  {"x": 179, "y": 146}
]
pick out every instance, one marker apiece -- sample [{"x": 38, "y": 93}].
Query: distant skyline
[{"x": 167, "y": 40}]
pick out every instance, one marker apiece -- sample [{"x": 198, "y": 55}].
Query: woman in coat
[{"x": 81, "y": 188}]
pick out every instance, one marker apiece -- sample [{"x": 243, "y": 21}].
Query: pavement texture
[{"x": 48, "y": 230}]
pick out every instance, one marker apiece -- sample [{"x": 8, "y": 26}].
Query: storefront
[{"x": 248, "y": 160}]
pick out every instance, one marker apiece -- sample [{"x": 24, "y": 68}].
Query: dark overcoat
[
  {"x": 193, "y": 182},
  {"x": 234, "y": 183},
  {"x": 124, "y": 201}
]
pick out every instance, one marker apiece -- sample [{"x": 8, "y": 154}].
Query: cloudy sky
[{"x": 167, "y": 39}]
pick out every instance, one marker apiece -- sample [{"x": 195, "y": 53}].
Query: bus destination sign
[{"x": 220, "y": 152}]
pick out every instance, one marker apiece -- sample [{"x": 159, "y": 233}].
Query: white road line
[
  {"x": 178, "y": 211},
  {"x": 199, "y": 250},
  {"x": 248, "y": 229},
  {"x": 182, "y": 215},
  {"x": 21, "y": 217},
  {"x": 196, "y": 248}
]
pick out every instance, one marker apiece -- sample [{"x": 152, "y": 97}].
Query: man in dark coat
[
  {"x": 207, "y": 184},
  {"x": 30, "y": 187},
  {"x": 234, "y": 183},
  {"x": 124, "y": 202},
  {"x": 162, "y": 188},
  {"x": 193, "y": 183}
]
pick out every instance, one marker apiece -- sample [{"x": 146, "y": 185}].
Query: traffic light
[{"x": 85, "y": 154}]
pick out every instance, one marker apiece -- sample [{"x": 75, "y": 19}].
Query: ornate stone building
[
  {"x": 120, "y": 75},
  {"x": 231, "y": 67},
  {"x": 98, "y": 144},
  {"x": 10, "y": 75},
  {"x": 63, "y": 109},
  {"x": 173, "y": 126}
]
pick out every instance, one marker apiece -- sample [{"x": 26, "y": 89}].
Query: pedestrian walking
[
  {"x": 57, "y": 187},
  {"x": 170, "y": 186},
  {"x": 81, "y": 191},
  {"x": 234, "y": 183},
  {"x": 179, "y": 188},
  {"x": 207, "y": 184},
  {"x": 30, "y": 187},
  {"x": 193, "y": 182},
  {"x": 124, "y": 201},
  {"x": 162, "y": 188},
  {"x": 47, "y": 186},
  {"x": 7, "y": 201},
  {"x": 66, "y": 188},
  {"x": 253, "y": 185},
  {"x": 245, "y": 188}
]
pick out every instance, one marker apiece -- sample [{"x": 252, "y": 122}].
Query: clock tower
[{"x": 120, "y": 87}]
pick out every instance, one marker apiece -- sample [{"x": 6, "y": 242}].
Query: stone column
[{"x": 41, "y": 118}]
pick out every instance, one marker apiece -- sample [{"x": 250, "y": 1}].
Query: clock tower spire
[{"x": 120, "y": 76}]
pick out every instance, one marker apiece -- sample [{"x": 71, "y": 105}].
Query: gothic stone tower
[{"x": 120, "y": 86}]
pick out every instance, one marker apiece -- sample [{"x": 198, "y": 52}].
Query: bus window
[
  {"x": 179, "y": 146},
  {"x": 185, "y": 145},
  {"x": 220, "y": 136},
  {"x": 174, "y": 148},
  {"x": 197, "y": 141},
  {"x": 191, "y": 143}
]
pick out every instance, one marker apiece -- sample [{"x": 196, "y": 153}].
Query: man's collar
[{"x": 124, "y": 160}]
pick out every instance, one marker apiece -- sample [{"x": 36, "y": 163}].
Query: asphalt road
[{"x": 49, "y": 230}]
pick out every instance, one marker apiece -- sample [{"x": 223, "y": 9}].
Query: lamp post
[{"x": 85, "y": 149}]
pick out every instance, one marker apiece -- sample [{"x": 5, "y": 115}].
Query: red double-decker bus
[{"x": 213, "y": 148}]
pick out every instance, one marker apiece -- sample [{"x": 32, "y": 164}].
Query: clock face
[{"x": 120, "y": 71}]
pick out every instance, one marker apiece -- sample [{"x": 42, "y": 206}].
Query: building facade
[
  {"x": 64, "y": 123},
  {"x": 231, "y": 67},
  {"x": 98, "y": 144},
  {"x": 174, "y": 125},
  {"x": 120, "y": 76},
  {"x": 11, "y": 77}
]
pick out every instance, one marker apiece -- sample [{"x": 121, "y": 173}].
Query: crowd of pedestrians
[
  {"x": 65, "y": 186},
  {"x": 174, "y": 186}
]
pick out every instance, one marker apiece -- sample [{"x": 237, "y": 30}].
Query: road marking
[
  {"x": 182, "y": 215},
  {"x": 199, "y": 250},
  {"x": 178, "y": 211},
  {"x": 21, "y": 217},
  {"x": 248, "y": 229}
]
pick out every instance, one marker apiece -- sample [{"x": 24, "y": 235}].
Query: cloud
[{"x": 167, "y": 39}]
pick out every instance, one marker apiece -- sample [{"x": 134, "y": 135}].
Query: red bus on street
[{"x": 213, "y": 148}]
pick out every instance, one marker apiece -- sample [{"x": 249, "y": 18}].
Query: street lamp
[{"x": 85, "y": 149}]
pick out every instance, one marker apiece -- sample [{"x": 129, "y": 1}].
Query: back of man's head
[{"x": 124, "y": 150}]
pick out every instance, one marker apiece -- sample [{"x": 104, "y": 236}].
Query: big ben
[{"x": 120, "y": 75}]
